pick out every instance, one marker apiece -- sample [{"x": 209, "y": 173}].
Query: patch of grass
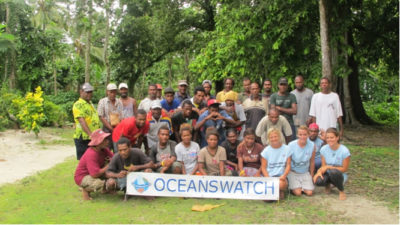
[
  {"x": 374, "y": 172},
  {"x": 53, "y": 197},
  {"x": 65, "y": 135}
]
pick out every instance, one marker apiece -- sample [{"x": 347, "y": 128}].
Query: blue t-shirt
[
  {"x": 318, "y": 144},
  {"x": 167, "y": 107},
  {"x": 218, "y": 124},
  {"x": 276, "y": 158},
  {"x": 301, "y": 156},
  {"x": 335, "y": 157}
]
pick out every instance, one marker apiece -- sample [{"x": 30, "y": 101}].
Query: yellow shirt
[{"x": 87, "y": 111}]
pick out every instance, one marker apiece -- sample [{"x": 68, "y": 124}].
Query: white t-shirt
[
  {"x": 326, "y": 108},
  {"x": 146, "y": 104},
  {"x": 303, "y": 106},
  {"x": 187, "y": 155}
]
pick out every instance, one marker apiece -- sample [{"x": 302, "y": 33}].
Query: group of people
[{"x": 290, "y": 135}]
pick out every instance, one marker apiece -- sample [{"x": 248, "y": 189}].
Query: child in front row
[{"x": 187, "y": 151}]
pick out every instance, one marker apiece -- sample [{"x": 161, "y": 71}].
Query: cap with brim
[
  {"x": 212, "y": 102},
  {"x": 313, "y": 126},
  {"x": 182, "y": 82},
  {"x": 86, "y": 87},
  {"x": 156, "y": 105},
  {"x": 123, "y": 85},
  {"x": 283, "y": 80},
  {"x": 97, "y": 137},
  {"x": 111, "y": 87},
  {"x": 169, "y": 90}
]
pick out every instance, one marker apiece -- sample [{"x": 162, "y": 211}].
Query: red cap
[
  {"x": 313, "y": 126},
  {"x": 212, "y": 102},
  {"x": 97, "y": 137},
  {"x": 159, "y": 86}
]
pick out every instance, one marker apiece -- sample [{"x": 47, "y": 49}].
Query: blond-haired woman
[
  {"x": 275, "y": 160},
  {"x": 302, "y": 165}
]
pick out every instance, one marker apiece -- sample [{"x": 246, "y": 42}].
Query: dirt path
[
  {"x": 356, "y": 208},
  {"x": 21, "y": 154}
]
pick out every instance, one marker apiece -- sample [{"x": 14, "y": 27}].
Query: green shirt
[
  {"x": 285, "y": 101},
  {"x": 87, "y": 111}
]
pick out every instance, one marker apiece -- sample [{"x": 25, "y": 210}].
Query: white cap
[
  {"x": 123, "y": 85},
  {"x": 111, "y": 87},
  {"x": 155, "y": 104}
]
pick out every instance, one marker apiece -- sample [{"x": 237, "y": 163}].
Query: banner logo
[{"x": 141, "y": 184}]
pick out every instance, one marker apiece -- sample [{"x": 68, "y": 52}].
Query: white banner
[{"x": 172, "y": 185}]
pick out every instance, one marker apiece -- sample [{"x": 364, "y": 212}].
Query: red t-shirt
[
  {"x": 91, "y": 162},
  {"x": 128, "y": 129}
]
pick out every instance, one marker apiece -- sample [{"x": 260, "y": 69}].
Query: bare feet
[
  {"x": 86, "y": 195},
  {"x": 342, "y": 195}
]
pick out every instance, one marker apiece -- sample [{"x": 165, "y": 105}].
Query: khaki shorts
[
  {"x": 95, "y": 184},
  {"x": 300, "y": 180},
  {"x": 171, "y": 168},
  {"x": 227, "y": 173}
]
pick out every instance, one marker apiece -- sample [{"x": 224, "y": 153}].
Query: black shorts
[{"x": 81, "y": 146}]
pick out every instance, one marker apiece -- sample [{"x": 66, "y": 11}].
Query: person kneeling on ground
[
  {"x": 212, "y": 157},
  {"x": 302, "y": 166},
  {"x": 275, "y": 161},
  {"x": 187, "y": 151},
  {"x": 126, "y": 160},
  {"x": 335, "y": 159},
  {"x": 89, "y": 173},
  {"x": 249, "y": 155},
  {"x": 163, "y": 153}
]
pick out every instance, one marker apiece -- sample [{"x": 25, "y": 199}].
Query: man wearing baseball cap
[
  {"x": 86, "y": 119},
  {"x": 169, "y": 103},
  {"x": 285, "y": 103},
  {"x": 110, "y": 110},
  {"x": 157, "y": 118},
  {"x": 319, "y": 140},
  {"x": 159, "y": 92},
  {"x": 90, "y": 172},
  {"x": 213, "y": 117},
  {"x": 129, "y": 104},
  {"x": 181, "y": 95}
]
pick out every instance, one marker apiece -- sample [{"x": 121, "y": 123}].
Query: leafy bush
[
  {"x": 65, "y": 100},
  {"x": 30, "y": 111},
  {"x": 7, "y": 119},
  {"x": 386, "y": 113},
  {"x": 55, "y": 114}
]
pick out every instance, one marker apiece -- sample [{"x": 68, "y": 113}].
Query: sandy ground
[
  {"x": 356, "y": 209},
  {"x": 21, "y": 155}
]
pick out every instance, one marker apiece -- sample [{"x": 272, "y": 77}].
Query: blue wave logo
[{"x": 141, "y": 184}]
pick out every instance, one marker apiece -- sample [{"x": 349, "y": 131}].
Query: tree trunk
[
  {"x": 187, "y": 73},
  {"x": 11, "y": 60},
  {"x": 88, "y": 42},
  {"x": 326, "y": 63},
  {"x": 170, "y": 71},
  {"x": 348, "y": 106},
  {"x": 55, "y": 74},
  {"x": 354, "y": 87},
  {"x": 106, "y": 61}
]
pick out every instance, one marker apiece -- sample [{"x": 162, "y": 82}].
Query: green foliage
[
  {"x": 386, "y": 113},
  {"x": 55, "y": 114},
  {"x": 65, "y": 100},
  {"x": 31, "y": 110},
  {"x": 6, "y": 107}
]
